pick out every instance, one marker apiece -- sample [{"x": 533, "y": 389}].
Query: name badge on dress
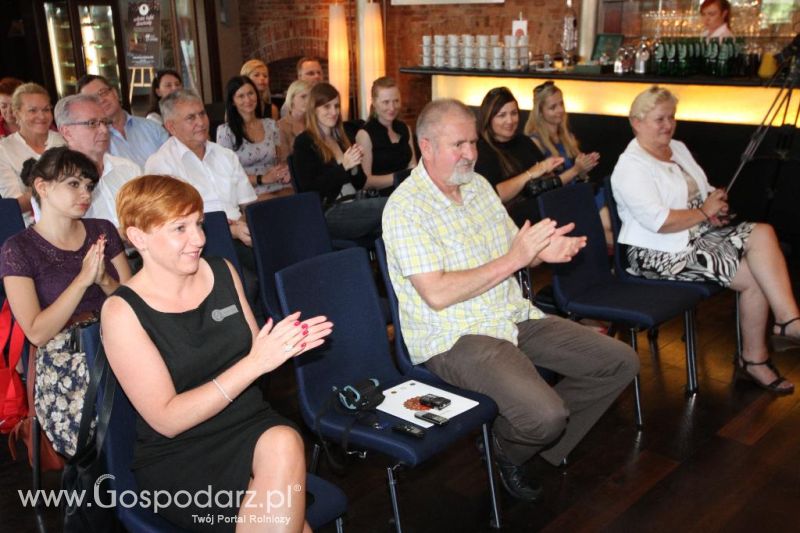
[{"x": 221, "y": 314}]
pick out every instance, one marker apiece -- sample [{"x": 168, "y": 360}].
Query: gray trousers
[{"x": 534, "y": 415}]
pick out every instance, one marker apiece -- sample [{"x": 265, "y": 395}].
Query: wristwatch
[{"x": 258, "y": 179}]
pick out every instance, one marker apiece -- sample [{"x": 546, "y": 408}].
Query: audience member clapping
[
  {"x": 509, "y": 160},
  {"x": 548, "y": 127},
  {"x": 55, "y": 273},
  {"x": 184, "y": 346},
  {"x": 255, "y": 140},
  {"x": 328, "y": 162}
]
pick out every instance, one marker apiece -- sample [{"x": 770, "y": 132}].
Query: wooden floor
[{"x": 727, "y": 459}]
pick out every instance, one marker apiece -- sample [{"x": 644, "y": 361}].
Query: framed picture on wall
[
  {"x": 608, "y": 43},
  {"x": 433, "y": 2}
]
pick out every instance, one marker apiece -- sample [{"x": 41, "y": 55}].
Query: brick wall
[{"x": 278, "y": 29}]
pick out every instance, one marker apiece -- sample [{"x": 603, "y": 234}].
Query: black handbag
[
  {"x": 536, "y": 186},
  {"x": 83, "y": 470}
]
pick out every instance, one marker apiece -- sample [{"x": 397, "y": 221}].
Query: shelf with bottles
[{"x": 680, "y": 57}]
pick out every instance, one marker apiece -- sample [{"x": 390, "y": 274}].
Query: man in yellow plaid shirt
[{"x": 452, "y": 252}]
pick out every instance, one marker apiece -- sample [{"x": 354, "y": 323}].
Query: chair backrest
[
  {"x": 10, "y": 218},
  {"x": 340, "y": 286},
  {"x": 118, "y": 447},
  {"x": 620, "y": 259},
  {"x": 293, "y": 173},
  {"x": 284, "y": 231},
  {"x": 402, "y": 357},
  {"x": 590, "y": 266},
  {"x": 400, "y": 176},
  {"x": 219, "y": 241},
  {"x": 10, "y": 223}
]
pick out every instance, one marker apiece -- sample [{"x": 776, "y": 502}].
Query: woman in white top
[
  {"x": 675, "y": 226},
  {"x": 716, "y": 15},
  {"x": 31, "y": 105},
  {"x": 254, "y": 139},
  {"x": 165, "y": 82}
]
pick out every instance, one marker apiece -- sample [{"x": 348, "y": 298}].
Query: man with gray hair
[
  {"x": 452, "y": 252},
  {"x": 85, "y": 128},
  {"x": 212, "y": 169}
]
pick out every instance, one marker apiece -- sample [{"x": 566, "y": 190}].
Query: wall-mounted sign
[{"x": 144, "y": 32}]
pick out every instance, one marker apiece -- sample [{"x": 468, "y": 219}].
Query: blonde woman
[
  {"x": 674, "y": 224},
  {"x": 31, "y": 105},
  {"x": 548, "y": 127},
  {"x": 293, "y": 121},
  {"x": 257, "y": 70}
]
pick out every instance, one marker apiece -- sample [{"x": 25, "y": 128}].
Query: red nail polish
[
  {"x": 304, "y": 326},
  {"x": 296, "y": 322},
  {"x": 303, "y": 345},
  {"x": 305, "y": 332}
]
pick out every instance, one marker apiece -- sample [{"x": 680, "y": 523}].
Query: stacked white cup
[
  {"x": 439, "y": 51},
  {"x": 427, "y": 50}
]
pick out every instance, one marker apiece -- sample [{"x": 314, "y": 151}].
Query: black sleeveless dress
[{"x": 196, "y": 346}]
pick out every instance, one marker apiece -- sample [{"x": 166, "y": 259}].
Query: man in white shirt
[
  {"x": 84, "y": 126},
  {"x": 213, "y": 170},
  {"x": 133, "y": 138}
]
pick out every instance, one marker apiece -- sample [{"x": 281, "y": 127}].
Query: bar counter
[{"x": 731, "y": 100}]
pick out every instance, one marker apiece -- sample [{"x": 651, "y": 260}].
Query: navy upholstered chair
[
  {"x": 586, "y": 288},
  {"x": 219, "y": 241},
  {"x": 401, "y": 355},
  {"x": 285, "y": 230},
  {"x": 704, "y": 289},
  {"x": 10, "y": 223},
  {"x": 340, "y": 286},
  {"x": 327, "y": 504}
]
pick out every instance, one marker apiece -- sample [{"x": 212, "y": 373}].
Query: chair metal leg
[
  {"x": 691, "y": 352},
  {"x": 494, "y": 522},
  {"x": 738, "y": 328},
  {"x": 393, "y": 494},
  {"x": 652, "y": 339},
  {"x": 637, "y": 391},
  {"x": 312, "y": 467},
  {"x": 36, "y": 443},
  {"x": 339, "y": 525}
]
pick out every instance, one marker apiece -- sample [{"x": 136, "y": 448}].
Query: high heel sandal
[
  {"x": 741, "y": 364},
  {"x": 781, "y": 341}
]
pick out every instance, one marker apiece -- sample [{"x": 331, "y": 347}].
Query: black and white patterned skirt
[{"x": 713, "y": 254}]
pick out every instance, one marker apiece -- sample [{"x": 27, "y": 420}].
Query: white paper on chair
[{"x": 402, "y": 401}]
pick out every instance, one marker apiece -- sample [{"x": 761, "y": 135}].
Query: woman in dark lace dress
[
  {"x": 58, "y": 269},
  {"x": 183, "y": 343}
]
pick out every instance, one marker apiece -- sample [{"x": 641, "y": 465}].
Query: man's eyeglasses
[
  {"x": 539, "y": 88},
  {"x": 92, "y": 124},
  {"x": 102, "y": 93}
]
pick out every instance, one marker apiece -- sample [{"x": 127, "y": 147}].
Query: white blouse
[{"x": 646, "y": 189}]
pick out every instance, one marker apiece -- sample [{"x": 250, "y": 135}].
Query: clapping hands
[
  {"x": 352, "y": 157},
  {"x": 93, "y": 268},
  {"x": 546, "y": 242},
  {"x": 290, "y": 337}
]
